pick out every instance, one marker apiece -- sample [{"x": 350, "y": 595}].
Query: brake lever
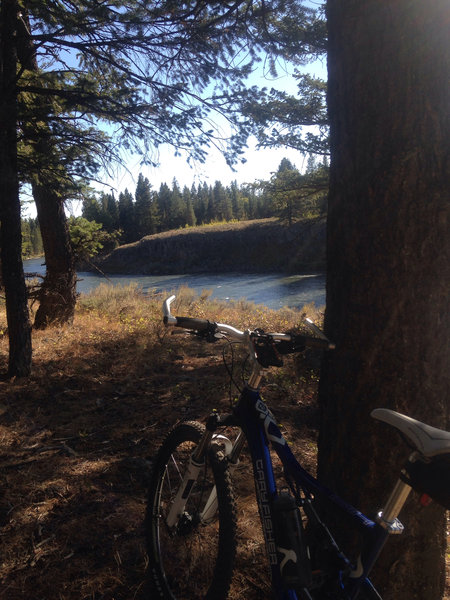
[
  {"x": 319, "y": 333},
  {"x": 315, "y": 329}
]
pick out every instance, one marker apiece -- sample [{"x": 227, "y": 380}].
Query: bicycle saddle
[{"x": 430, "y": 441}]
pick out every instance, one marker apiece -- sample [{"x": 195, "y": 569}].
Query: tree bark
[
  {"x": 19, "y": 327},
  {"x": 57, "y": 296},
  {"x": 388, "y": 292}
]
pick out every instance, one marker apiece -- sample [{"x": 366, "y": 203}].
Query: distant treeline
[
  {"x": 288, "y": 195},
  {"x": 31, "y": 238},
  {"x": 149, "y": 211}
]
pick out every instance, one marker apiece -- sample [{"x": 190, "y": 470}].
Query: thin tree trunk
[
  {"x": 57, "y": 296},
  {"x": 388, "y": 281},
  {"x": 19, "y": 327}
]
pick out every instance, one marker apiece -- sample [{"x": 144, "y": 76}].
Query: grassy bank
[
  {"x": 79, "y": 435},
  {"x": 260, "y": 246}
]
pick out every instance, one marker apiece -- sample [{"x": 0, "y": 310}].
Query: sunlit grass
[
  {"x": 126, "y": 317},
  {"x": 129, "y": 303}
]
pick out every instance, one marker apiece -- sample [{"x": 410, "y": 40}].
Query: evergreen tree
[
  {"x": 177, "y": 209},
  {"x": 222, "y": 203},
  {"x": 237, "y": 202},
  {"x": 164, "y": 201},
  {"x": 145, "y": 208},
  {"x": 13, "y": 279},
  {"x": 42, "y": 164},
  {"x": 189, "y": 215},
  {"x": 201, "y": 204},
  {"x": 31, "y": 238},
  {"x": 165, "y": 99},
  {"x": 36, "y": 238},
  {"x": 88, "y": 238},
  {"x": 91, "y": 209},
  {"x": 106, "y": 218},
  {"x": 127, "y": 217},
  {"x": 299, "y": 122},
  {"x": 111, "y": 208},
  {"x": 284, "y": 190},
  {"x": 211, "y": 214},
  {"x": 26, "y": 240},
  {"x": 252, "y": 203}
]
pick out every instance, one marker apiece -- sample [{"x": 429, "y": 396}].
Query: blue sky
[{"x": 260, "y": 163}]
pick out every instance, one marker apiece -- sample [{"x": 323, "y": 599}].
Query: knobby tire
[{"x": 194, "y": 562}]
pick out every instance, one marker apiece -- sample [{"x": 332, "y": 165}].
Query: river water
[{"x": 273, "y": 291}]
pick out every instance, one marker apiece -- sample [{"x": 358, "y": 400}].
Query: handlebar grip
[{"x": 191, "y": 323}]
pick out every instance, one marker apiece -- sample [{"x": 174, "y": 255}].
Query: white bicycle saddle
[{"x": 430, "y": 441}]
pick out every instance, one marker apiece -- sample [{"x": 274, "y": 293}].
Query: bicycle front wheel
[{"x": 191, "y": 555}]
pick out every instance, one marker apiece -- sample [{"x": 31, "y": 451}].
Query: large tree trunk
[
  {"x": 19, "y": 328},
  {"x": 388, "y": 281},
  {"x": 57, "y": 297}
]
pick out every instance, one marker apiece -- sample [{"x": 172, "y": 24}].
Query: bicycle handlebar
[{"x": 284, "y": 343}]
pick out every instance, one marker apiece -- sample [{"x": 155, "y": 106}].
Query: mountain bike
[{"x": 191, "y": 510}]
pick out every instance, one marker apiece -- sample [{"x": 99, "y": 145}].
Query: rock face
[{"x": 249, "y": 247}]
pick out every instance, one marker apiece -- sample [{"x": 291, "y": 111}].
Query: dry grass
[{"x": 78, "y": 436}]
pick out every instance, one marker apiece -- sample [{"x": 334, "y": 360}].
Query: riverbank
[
  {"x": 261, "y": 246},
  {"x": 271, "y": 290}
]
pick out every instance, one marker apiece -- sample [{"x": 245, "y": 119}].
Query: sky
[{"x": 260, "y": 163}]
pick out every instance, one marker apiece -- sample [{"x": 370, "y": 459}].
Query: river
[{"x": 273, "y": 291}]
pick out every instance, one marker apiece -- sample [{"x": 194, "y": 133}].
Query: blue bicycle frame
[{"x": 261, "y": 431}]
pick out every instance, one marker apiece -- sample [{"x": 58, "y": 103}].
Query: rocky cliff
[{"x": 252, "y": 246}]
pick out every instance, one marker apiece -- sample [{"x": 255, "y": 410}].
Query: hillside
[{"x": 251, "y": 246}]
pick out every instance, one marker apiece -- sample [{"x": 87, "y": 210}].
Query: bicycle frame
[{"x": 261, "y": 431}]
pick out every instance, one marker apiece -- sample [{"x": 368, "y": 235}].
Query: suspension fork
[
  {"x": 195, "y": 466},
  {"x": 232, "y": 451}
]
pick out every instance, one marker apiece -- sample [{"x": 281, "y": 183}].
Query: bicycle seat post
[{"x": 387, "y": 518}]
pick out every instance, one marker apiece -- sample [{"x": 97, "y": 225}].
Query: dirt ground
[{"x": 76, "y": 444}]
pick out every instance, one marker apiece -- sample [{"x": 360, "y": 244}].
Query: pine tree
[
  {"x": 127, "y": 217},
  {"x": 145, "y": 208},
  {"x": 189, "y": 215},
  {"x": 164, "y": 201},
  {"x": 201, "y": 204},
  {"x": 222, "y": 203},
  {"x": 111, "y": 208},
  {"x": 13, "y": 279},
  {"x": 36, "y": 238},
  {"x": 284, "y": 190},
  {"x": 177, "y": 210}
]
